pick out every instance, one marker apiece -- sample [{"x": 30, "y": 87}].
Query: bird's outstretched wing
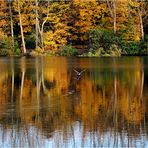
[
  {"x": 79, "y": 73},
  {"x": 76, "y": 71},
  {"x": 82, "y": 71}
]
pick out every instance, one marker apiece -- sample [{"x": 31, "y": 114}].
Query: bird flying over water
[{"x": 79, "y": 73}]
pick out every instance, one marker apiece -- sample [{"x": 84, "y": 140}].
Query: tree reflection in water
[{"x": 42, "y": 105}]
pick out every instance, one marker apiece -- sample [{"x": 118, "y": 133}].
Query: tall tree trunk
[
  {"x": 42, "y": 31},
  {"x": 141, "y": 23},
  {"x": 41, "y": 28},
  {"x": 115, "y": 16},
  {"x": 21, "y": 27},
  {"x": 11, "y": 23},
  {"x": 36, "y": 24},
  {"x": 113, "y": 13}
]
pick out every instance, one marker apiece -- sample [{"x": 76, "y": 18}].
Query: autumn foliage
[{"x": 49, "y": 26}]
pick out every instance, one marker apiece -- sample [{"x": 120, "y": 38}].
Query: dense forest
[{"x": 74, "y": 27}]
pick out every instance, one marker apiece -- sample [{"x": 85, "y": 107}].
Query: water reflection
[{"x": 42, "y": 104}]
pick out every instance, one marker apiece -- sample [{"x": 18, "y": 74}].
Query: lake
[{"x": 74, "y": 102}]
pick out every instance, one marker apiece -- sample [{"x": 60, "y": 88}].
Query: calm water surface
[{"x": 45, "y": 102}]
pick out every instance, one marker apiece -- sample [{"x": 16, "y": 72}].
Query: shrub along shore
[{"x": 73, "y": 28}]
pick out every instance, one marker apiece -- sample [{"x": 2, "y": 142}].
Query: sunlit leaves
[
  {"x": 70, "y": 22},
  {"x": 27, "y": 14}
]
